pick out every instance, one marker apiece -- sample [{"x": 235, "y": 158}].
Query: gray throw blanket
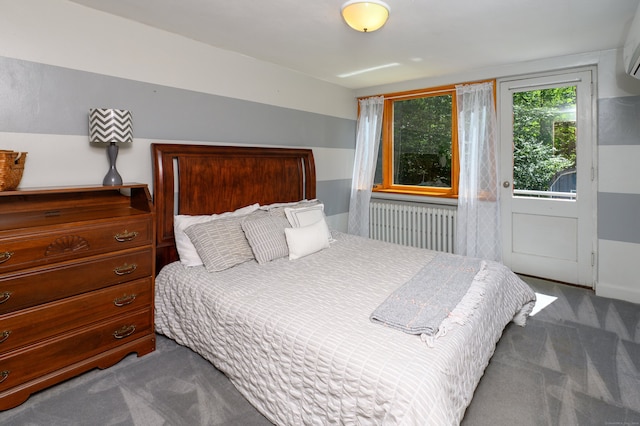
[{"x": 421, "y": 304}]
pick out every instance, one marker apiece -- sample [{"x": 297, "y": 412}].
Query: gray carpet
[
  {"x": 577, "y": 362},
  {"x": 171, "y": 386}
]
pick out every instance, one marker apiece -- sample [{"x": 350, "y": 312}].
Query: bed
[{"x": 294, "y": 332}]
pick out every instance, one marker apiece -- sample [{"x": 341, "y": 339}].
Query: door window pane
[{"x": 544, "y": 139}]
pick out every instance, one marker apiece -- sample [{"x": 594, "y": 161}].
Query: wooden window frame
[{"x": 387, "y": 185}]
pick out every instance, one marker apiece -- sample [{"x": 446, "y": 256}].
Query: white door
[{"x": 548, "y": 176}]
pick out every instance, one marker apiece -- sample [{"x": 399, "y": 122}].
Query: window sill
[{"x": 446, "y": 201}]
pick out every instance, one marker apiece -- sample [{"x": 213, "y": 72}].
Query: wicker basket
[{"x": 11, "y": 168}]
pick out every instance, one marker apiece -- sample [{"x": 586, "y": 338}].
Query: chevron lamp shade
[{"x": 110, "y": 125}]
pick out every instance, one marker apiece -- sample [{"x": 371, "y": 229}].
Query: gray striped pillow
[
  {"x": 220, "y": 243},
  {"x": 266, "y": 237}
]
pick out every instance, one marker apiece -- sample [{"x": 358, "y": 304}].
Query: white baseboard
[{"x": 617, "y": 292}]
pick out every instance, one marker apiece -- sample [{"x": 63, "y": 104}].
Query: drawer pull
[
  {"x": 3, "y": 375},
  {"x": 5, "y": 256},
  {"x": 4, "y": 296},
  {"x": 126, "y": 236},
  {"x": 125, "y": 300},
  {"x": 124, "y": 331},
  {"x": 4, "y": 335},
  {"x": 125, "y": 269}
]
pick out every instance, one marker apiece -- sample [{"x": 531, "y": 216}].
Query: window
[
  {"x": 419, "y": 143},
  {"x": 544, "y": 142}
]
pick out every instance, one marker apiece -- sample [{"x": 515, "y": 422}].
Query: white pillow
[
  {"x": 305, "y": 216},
  {"x": 186, "y": 250},
  {"x": 307, "y": 240},
  {"x": 288, "y": 204}
]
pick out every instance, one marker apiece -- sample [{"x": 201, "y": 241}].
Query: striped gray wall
[
  {"x": 619, "y": 121},
  {"x": 44, "y": 99},
  {"x": 619, "y": 126}
]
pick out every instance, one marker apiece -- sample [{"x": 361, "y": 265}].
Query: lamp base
[{"x": 112, "y": 178}]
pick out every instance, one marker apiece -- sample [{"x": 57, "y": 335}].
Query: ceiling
[{"x": 423, "y": 38}]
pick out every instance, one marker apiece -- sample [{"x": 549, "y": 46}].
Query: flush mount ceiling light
[{"x": 365, "y": 16}]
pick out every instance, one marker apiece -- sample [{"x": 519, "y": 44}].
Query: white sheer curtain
[
  {"x": 478, "y": 224},
  {"x": 364, "y": 166}
]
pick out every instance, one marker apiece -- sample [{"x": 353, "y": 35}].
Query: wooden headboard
[{"x": 207, "y": 179}]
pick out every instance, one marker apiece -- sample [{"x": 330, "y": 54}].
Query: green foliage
[
  {"x": 535, "y": 166},
  {"x": 422, "y": 141},
  {"x": 565, "y": 139},
  {"x": 544, "y": 136}
]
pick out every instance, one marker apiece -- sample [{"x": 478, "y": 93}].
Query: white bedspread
[{"x": 295, "y": 336}]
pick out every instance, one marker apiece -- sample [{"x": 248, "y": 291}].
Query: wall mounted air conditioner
[{"x": 631, "y": 50}]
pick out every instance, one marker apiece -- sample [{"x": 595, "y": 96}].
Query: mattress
[{"x": 295, "y": 337}]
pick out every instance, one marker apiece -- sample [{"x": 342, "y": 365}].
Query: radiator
[{"x": 413, "y": 225}]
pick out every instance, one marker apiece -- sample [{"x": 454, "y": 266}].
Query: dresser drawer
[
  {"x": 18, "y": 291},
  {"x": 31, "y": 325},
  {"x": 31, "y": 249},
  {"x": 25, "y": 364}
]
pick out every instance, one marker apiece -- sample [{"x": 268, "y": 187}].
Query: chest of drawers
[{"x": 76, "y": 283}]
